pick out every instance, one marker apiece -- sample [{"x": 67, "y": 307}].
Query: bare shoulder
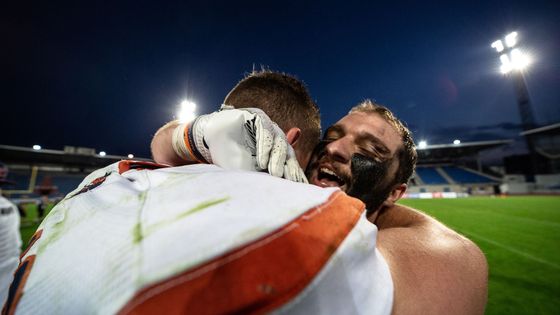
[{"x": 435, "y": 270}]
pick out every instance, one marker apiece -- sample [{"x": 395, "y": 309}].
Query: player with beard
[
  {"x": 364, "y": 181},
  {"x": 370, "y": 155}
]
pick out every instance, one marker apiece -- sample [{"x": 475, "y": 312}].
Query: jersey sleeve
[{"x": 10, "y": 243}]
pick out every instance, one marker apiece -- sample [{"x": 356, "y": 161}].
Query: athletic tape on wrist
[
  {"x": 195, "y": 144},
  {"x": 178, "y": 143}
]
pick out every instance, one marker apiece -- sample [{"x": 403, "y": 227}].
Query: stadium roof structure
[
  {"x": 546, "y": 140},
  {"x": 447, "y": 153},
  {"x": 549, "y": 129},
  {"x": 19, "y": 155}
]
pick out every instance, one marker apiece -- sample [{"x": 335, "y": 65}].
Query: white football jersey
[
  {"x": 10, "y": 243},
  {"x": 198, "y": 239}
]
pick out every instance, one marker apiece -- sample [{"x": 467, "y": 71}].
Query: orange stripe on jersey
[
  {"x": 126, "y": 165},
  {"x": 260, "y": 276},
  {"x": 16, "y": 288},
  {"x": 32, "y": 241},
  {"x": 188, "y": 145}
]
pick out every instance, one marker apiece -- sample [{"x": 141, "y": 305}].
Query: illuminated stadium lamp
[
  {"x": 498, "y": 45},
  {"x": 456, "y": 141},
  {"x": 186, "y": 113},
  {"x": 519, "y": 60},
  {"x": 511, "y": 58},
  {"x": 513, "y": 62},
  {"x": 506, "y": 64},
  {"x": 130, "y": 156},
  {"x": 511, "y": 39},
  {"x": 102, "y": 153},
  {"x": 422, "y": 144},
  {"x": 36, "y": 147}
]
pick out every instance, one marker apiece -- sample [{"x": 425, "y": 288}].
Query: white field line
[{"x": 513, "y": 250}]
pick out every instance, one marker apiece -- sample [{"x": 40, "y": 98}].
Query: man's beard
[{"x": 367, "y": 181}]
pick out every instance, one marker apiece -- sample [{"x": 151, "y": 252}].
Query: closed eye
[{"x": 372, "y": 153}]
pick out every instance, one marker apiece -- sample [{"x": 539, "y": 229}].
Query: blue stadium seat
[
  {"x": 430, "y": 176},
  {"x": 67, "y": 183},
  {"x": 20, "y": 178},
  {"x": 64, "y": 183},
  {"x": 462, "y": 176}
]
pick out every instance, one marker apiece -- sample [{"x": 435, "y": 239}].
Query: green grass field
[
  {"x": 30, "y": 222},
  {"x": 520, "y": 237}
]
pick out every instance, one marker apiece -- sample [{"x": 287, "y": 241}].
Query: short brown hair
[
  {"x": 406, "y": 154},
  {"x": 284, "y": 99}
]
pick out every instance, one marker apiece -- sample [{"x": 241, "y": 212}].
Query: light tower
[{"x": 513, "y": 64}]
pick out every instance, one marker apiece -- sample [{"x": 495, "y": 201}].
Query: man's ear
[
  {"x": 293, "y": 135},
  {"x": 395, "y": 195}
]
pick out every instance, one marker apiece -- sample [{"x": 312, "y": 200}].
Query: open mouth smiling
[{"x": 326, "y": 177}]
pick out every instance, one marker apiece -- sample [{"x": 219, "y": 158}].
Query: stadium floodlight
[
  {"x": 456, "y": 141},
  {"x": 511, "y": 39},
  {"x": 510, "y": 57},
  {"x": 187, "y": 111},
  {"x": 422, "y": 144},
  {"x": 506, "y": 64},
  {"x": 102, "y": 153},
  {"x": 130, "y": 156},
  {"x": 498, "y": 45},
  {"x": 519, "y": 60},
  {"x": 514, "y": 61},
  {"x": 36, "y": 147}
]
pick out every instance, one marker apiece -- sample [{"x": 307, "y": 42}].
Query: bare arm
[
  {"x": 162, "y": 149},
  {"x": 241, "y": 139},
  {"x": 435, "y": 270}
]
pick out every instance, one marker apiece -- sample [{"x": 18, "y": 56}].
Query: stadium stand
[
  {"x": 452, "y": 153},
  {"x": 20, "y": 179},
  {"x": 51, "y": 172},
  {"x": 430, "y": 176},
  {"x": 63, "y": 183},
  {"x": 454, "y": 170},
  {"x": 443, "y": 169},
  {"x": 57, "y": 183},
  {"x": 547, "y": 144},
  {"x": 464, "y": 176}
]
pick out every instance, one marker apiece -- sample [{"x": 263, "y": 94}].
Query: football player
[
  {"x": 137, "y": 237},
  {"x": 10, "y": 239},
  {"x": 370, "y": 155}
]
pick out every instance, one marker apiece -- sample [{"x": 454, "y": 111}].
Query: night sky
[{"x": 105, "y": 75}]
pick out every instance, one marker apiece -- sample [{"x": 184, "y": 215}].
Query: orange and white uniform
[
  {"x": 198, "y": 239},
  {"x": 10, "y": 242}
]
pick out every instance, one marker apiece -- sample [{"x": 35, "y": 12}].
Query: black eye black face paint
[{"x": 368, "y": 178}]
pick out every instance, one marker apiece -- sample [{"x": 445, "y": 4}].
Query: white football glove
[{"x": 244, "y": 139}]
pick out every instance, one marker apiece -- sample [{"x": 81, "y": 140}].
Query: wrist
[
  {"x": 184, "y": 143},
  {"x": 194, "y": 134}
]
